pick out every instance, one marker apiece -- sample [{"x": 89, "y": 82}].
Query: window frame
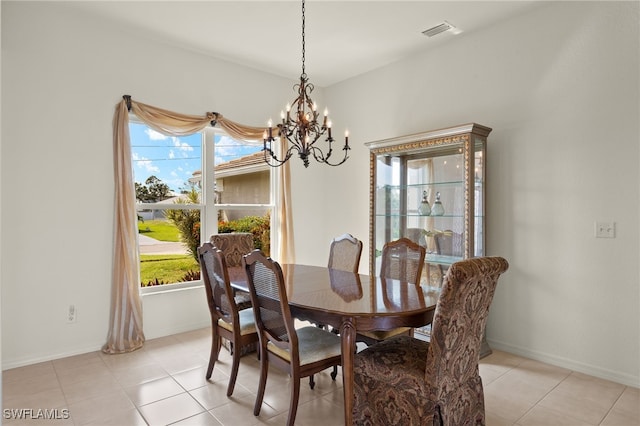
[{"x": 208, "y": 206}]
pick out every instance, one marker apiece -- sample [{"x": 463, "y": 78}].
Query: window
[{"x": 188, "y": 188}]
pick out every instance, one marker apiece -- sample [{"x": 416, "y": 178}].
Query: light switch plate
[{"x": 605, "y": 229}]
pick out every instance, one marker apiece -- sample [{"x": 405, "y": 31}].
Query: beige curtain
[
  {"x": 125, "y": 325},
  {"x": 286, "y": 248}
]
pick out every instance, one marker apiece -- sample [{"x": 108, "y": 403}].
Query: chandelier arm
[
  {"x": 325, "y": 159},
  {"x": 272, "y": 160},
  {"x": 319, "y": 155}
]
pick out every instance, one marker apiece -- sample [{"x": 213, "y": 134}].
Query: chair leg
[
  {"x": 234, "y": 372},
  {"x": 312, "y": 382},
  {"x": 264, "y": 368},
  {"x": 334, "y": 373},
  {"x": 215, "y": 351},
  {"x": 295, "y": 395}
]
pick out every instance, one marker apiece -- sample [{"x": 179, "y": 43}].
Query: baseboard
[
  {"x": 592, "y": 370},
  {"x": 22, "y": 362},
  {"x": 168, "y": 331},
  {"x": 9, "y": 364}
]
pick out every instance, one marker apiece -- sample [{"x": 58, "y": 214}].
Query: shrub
[{"x": 187, "y": 222}]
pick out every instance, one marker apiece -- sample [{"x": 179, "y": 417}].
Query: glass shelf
[
  {"x": 444, "y": 216},
  {"x": 419, "y": 185},
  {"x": 440, "y": 259}
]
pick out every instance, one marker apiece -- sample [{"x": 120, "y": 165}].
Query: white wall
[
  {"x": 0, "y": 214},
  {"x": 560, "y": 92},
  {"x": 560, "y": 88}
]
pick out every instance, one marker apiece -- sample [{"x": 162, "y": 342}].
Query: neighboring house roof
[
  {"x": 251, "y": 163},
  {"x": 248, "y": 164}
]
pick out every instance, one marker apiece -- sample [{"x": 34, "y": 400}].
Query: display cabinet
[{"x": 430, "y": 188}]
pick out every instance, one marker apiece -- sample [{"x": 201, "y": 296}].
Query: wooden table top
[
  {"x": 341, "y": 293},
  {"x": 351, "y": 302}
]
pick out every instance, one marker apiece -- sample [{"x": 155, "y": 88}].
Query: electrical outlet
[
  {"x": 72, "y": 314},
  {"x": 605, "y": 229}
]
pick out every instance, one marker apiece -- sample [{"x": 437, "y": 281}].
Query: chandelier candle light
[{"x": 303, "y": 129}]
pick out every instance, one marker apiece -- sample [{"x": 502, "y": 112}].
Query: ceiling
[{"x": 343, "y": 38}]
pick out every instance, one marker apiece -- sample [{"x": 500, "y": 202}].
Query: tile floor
[{"x": 163, "y": 383}]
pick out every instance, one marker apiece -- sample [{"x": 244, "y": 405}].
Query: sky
[{"x": 174, "y": 159}]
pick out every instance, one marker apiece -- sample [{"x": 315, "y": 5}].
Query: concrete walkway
[{"x": 150, "y": 245}]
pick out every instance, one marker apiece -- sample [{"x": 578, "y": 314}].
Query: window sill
[{"x": 170, "y": 288}]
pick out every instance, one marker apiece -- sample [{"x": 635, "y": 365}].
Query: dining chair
[
  {"x": 227, "y": 321},
  {"x": 344, "y": 253},
  {"x": 402, "y": 260},
  {"x": 404, "y": 380},
  {"x": 234, "y": 245},
  {"x": 302, "y": 352}
]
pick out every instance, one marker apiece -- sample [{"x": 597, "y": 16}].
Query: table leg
[{"x": 348, "y": 334}]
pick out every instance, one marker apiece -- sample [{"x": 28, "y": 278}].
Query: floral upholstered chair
[
  {"x": 233, "y": 246},
  {"x": 406, "y": 381}
]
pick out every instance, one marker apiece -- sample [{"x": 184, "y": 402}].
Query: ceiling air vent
[{"x": 445, "y": 26}]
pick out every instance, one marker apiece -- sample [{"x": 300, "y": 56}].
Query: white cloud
[
  {"x": 155, "y": 136},
  {"x": 144, "y": 163},
  {"x": 181, "y": 145},
  {"x": 226, "y": 148},
  {"x": 172, "y": 155}
]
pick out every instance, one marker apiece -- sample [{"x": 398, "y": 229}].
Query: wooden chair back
[
  {"x": 344, "y": 253},
  {"x": 215, "y": 274},
  {"x": 271, "y": 307},
  {"x": 403, "y": 260}
]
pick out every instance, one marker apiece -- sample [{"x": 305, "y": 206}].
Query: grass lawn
[
  {"x": 168, "y": 268},
  {"x": 161, "y": 230}
]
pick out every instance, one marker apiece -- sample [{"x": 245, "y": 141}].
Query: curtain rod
[{"x": 127, "y": 99}]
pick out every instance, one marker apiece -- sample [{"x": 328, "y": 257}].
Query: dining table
[{"x": 351, "y": 302}]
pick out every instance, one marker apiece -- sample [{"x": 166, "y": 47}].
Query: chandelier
[{"x": 301, "y": 126}]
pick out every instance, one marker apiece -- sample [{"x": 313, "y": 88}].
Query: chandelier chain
[{"x": 303, "y": 50}]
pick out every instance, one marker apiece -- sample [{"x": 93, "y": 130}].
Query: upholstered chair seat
[
  {"x": 314, "y": 344},
  {"x": 392, "y": 376},
  {"x": 247, "y": 322}
]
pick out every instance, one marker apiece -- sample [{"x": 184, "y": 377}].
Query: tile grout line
[{"x": 613, "y": 405}]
